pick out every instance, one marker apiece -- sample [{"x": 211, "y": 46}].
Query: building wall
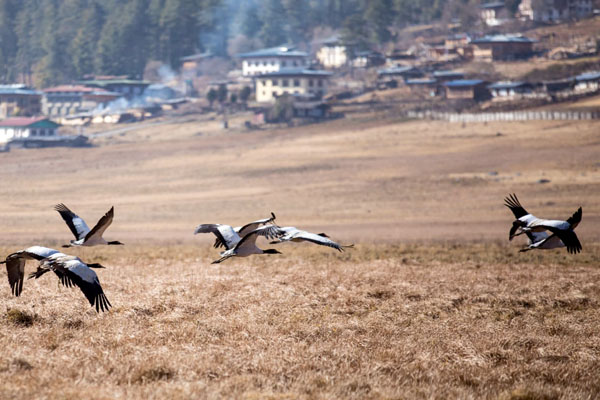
[
  {"x": 259, "y": 66},
  {"x": 268, "y": 88},
  {"x": 501, "y": 51},
  {"x": 9, "y": 133},
  {"x": 20, "y": 104},
  {"x": 553, "y": 10},
  {"x": 332, "y": 56}
]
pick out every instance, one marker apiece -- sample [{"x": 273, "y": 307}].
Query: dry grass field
[{"x": 433, "y": 302}]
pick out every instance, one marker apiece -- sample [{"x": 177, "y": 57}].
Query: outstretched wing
[
  {"x": 224, "y": 233},
  {"x": 319, "y": 239},
  {"x": 80, "y": 274},
  {"x": 244, "y": 230},
  {"x": 74, "y": 222},
  {"x": 101, "y": 225},
  {"x": 268, "y": 231},
  {"x": 512, "y": 202},
  {"x": 569, "y": 238},
  {"x": 15, "y": 269},
  {"x": 575, "y": 219}
]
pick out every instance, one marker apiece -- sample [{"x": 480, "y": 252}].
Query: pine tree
[{"x": 273, "y": 32}]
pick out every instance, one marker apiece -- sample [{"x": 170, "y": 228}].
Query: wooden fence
[{"x": 505, "y": 116}]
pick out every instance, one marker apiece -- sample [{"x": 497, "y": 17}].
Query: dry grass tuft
[
  {"x": 20, "y": 318},
  {"x": 153, "y": 374}
]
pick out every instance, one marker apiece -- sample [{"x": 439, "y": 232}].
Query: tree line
[{"x": 47, "y": 42}]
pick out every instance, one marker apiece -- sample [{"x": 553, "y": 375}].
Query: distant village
[{"x": 286, "y": 83}]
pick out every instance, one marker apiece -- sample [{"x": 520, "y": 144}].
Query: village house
[
  {"x": 298, "y": 81},
  {"x": 554, "y": 10},
  {"x": 19, "y": 100},
  {"x": 587, "y": 82},
  {"x": 443, "y": 76},
  {"x": 423, "y": 86},
  {"x": 502, "y": 47},
  {"x": 473, "y": 89},
  {"x": 509, "y": 90},
  {"x": 492, "y": 13},
  {"x": 367, "y": 59},
  {"x": 26, "y": 127},
  {"x": 332, "y": 53},
  {"x": 66, "y": 100},
  {"x": 399, "y": 72},
  {"x": 272, "y": 60},
  {"x": 128, "y": 88}
]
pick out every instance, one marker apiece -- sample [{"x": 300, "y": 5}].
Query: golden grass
[
  {"x": 432, "y": 303},
  {"x": 379, "y": 322}
]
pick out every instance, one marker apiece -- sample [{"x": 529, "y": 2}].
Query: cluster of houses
[
  {"x": 495, "y": 13},
  {"x": 31, "y": 117}
]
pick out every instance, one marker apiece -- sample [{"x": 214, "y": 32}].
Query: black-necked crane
[
  {"x": 296, "y": 235},
  {"x": 83, "y": 235},
  {"x": 15, "y": 265},
  {"x": 72, "y": 271},
  {"x": 526, "y": 222},
  {"x": 542, "y": 241},
  {"x": 229, "y": 236},
  {"x": 247, "y": 245}
]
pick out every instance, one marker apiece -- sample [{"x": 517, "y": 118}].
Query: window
[
  {"x": 34, "y": 132},
  {"x": 310, "y": 82},
  {"x": 320, "y": 83},
  {"x": 42, "y": 132},
  {"x": 283, "y": 63},
  {"x": 295, "y": 63},
  {"x": 274, "y": 82},
  {"x": 285, "y": 83},
  {"x": 296, "y": 82}
]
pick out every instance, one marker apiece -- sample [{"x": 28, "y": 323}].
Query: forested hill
[{"x": 47, "y": 42}]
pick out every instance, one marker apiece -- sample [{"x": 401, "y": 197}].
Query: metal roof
[
  {"x": 503, "y": 39},
  {"x": 280, "y": 51},
  {"x": 508, "y": 85},
  {"x": 445, "y": 74},
  {"x": 495, "y": 4},
  {"x": 18, "y": 89},
  {"x": 296, "y": 72},
  {"x": 397, "y": 70},
  {"x": 107, "y": 82},
  {"x": 588, "y": 76},
  {"x": 463, "y": 82},
  {"x": 420, "y": 81}
]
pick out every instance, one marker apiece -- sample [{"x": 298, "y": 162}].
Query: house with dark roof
[
  {"x": 19, "y": 100},
  {"x": 399, "y": 72},
  {"x": 427, "y": 86},
  {"x": 66, "y": 100},
  {"x": 509, "y": 90},
  {"x": 298, "y": 81},
  {"x": 491, "y": 13},
  {"x": 474, "y": 89},
  {"x": 555, "y": 10},
  {"x": 502, "y": 47},
  {"x": 128, "y": 88},
  {"x": 332, "y": 52},
  {"x": 273, "y": 59},
  {"x": 587, "y": 82}
]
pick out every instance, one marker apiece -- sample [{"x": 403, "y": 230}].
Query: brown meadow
[{"x": 433, "y": 302}]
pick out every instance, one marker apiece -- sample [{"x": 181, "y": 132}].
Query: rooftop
[
  {"x": 296, "y": 72},
  {"x": 18, "y": 89},
  {"x": 107, "y": 82},
  {"x": 503, "y": 39},
  {"x": 397, "y": 70},
  {"x": 23, "y": 121},
  {"x": 507, "y": 85},
  {"x": 464, "y": 83},
  {"x": 492, "y": 5},
  {"x": 421, "y": 81},
  {"x": 280, "y": 51},
  {"x": 588, "y": 76},
  {"x": 442, "y": 74}
]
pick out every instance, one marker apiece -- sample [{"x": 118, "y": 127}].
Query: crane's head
[{"x": 515, "y": 226}]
